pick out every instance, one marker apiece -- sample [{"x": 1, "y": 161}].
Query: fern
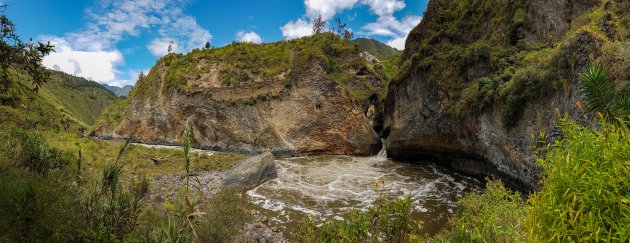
[{"x": 601, "y": 95}]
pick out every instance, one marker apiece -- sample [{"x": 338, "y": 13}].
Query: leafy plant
[
  {"x": 31, "y": 151},
  {"x": 496, "y": 215},
  {"x": 586, "y": 192},
  {"x": 601, "y": 95},
  {"x": 388, "y": 221}
]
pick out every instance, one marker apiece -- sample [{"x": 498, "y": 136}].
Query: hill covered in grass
[
  {"x": 378, "y": 49},
  {"x": 304, "y": 96},
  {"x": 120, "y": 92},
  {"x": 64, "y": 102}
]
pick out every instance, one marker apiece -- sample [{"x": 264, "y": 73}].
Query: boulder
[{"x": 251, "y": 172}]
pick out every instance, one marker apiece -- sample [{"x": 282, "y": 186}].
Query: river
[{"x": 329, "y": 186}]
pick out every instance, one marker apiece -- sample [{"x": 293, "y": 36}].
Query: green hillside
[
  {"x": 64, "y": 102},
  {"x": 378, "y": 49}
]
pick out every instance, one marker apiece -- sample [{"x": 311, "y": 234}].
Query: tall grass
[{"x": 586, "y": 192}]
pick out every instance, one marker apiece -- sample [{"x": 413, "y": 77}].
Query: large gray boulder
[{"x": 251, "y": 172}]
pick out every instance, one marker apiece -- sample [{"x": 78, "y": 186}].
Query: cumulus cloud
[
  {"x": 327, "y": 8},
  {"x": 386, "y": 25},
  {"x": 110, "y": 21},
  {"x": 251, "y": 36},
  {"x": 398, "y": 43},
  {"x": 159, "y": 47},
  {"x": 297, "y": 29},
  {"x": 384, "y": 7},
  {"x": 97, "y": 66}
]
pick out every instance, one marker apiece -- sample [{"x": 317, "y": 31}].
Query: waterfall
[{"x": 383, "y": 152}]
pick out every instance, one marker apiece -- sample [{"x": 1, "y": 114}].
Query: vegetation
[
  {"x": 259, "y": 69},
  {"x": 602, "y": 96},
  {"x": 44, "y": 198},
  {"x": 388, "y": 221},
  {"x": 495, "y": 215},
  {"x": 17, "y": 55},
  {"x": 492, "y": 65},
  {"x": 586, "y": 192},
  {"x": 376, "y": 48}
]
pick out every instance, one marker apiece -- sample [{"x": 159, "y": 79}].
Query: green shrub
[
  {"x": 36, "y": 208},
  {"x": 30, "y": 150},
  {"x": 586, "y": 192},
  {"x": 496, "y": 215},
  {"x": 388, "y": 221},
  {"x": 226, "y": 212}
]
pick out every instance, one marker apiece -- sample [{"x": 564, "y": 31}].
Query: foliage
[
  {"x": 483, "y": 56},
  {"x": 388, "y": 221},
  {"x": 602, "y": 96},
  {"x": 496, "y": 215},
  {"x": 249, "y": 71},
  {"x": 227, "y": 211},
  {"x": 586, "y": 192},
  {"x": 30, "y": 151},
  {"x": 36, "y": 208},
  {"x": 378, "y": 49},
  {"x": 21, "y": 56}
]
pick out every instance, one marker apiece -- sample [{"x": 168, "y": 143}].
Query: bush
[
  {"x": 388, "y": 221},
  {"x": 586, "y": 192},
  {"x": 495, "y": 215},
  {"x": 30, "y": 150},
  {"x": 226, "y": 213},
  {"x": 34, "y": 208}
]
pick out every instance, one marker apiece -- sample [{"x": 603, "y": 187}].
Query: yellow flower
[{"x": 376, "y": 184}]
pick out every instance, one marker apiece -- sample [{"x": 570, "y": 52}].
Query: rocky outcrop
[
  {"x": 439, "y": 109},
  {"x": 251, "y": 172},
  {"x": 311, "y": 108}
]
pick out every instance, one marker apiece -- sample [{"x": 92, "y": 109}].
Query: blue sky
[{"x": 111, "y": 41}]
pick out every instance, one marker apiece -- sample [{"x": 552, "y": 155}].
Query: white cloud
[
  {"x": 251, "y": 36},
  {"x": 159, "y": 47},
  {"x": 386, "y": 25},
  {"x": 327, "y": 8},
  {"x": 97, "y": 66},
  {"x": 110, "y": 21},
  {"x": 297, "y": 29},
  {"x": 398, "y": 43},
  {"x": 384, "y": 7}
]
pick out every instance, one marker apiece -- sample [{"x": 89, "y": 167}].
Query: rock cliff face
[
  {"x": 482, "y": 78},
  {"x": 313, "y": 100}
]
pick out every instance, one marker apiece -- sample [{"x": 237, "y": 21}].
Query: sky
[{"x": 112, "y": 41}]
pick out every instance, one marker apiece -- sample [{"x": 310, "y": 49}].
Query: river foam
[{"x": 329, "y": 186}]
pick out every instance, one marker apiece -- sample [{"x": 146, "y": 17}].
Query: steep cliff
[
  {"x": 306, "y": 96},
  {"x": 480, "y": 79}
]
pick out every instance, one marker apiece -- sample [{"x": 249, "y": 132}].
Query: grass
[
  {"x": 492, "y": 65},
  {"x": 105, "y": 200},
  {"x": 260, "y": 69},
  {"x": 139, "y": 160},
  {"x": 495, "y": 215},
  {"x": 64, "y": 103},
  {"x": 586, "y": 192}
]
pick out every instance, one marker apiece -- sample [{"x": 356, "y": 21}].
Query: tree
[
  {"x": 21, "y": 56},
  {"x": 601, "y": 95},
  {"x": 348, "y": 35},
  {"x": 319, "y": 25},
  {"x": 207, "y": 46},
  {"x": 170, "y": 46},
  {"x": 141, "y": 76}
]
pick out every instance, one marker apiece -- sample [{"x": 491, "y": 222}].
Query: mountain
[
  {"x": 120, "y": 92},
  {"x": 64, "y": 102},
  {"x": 478, "y": 78},
  {"x": 378, "y": 49},
  {"x": 313, "y": 95}
]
